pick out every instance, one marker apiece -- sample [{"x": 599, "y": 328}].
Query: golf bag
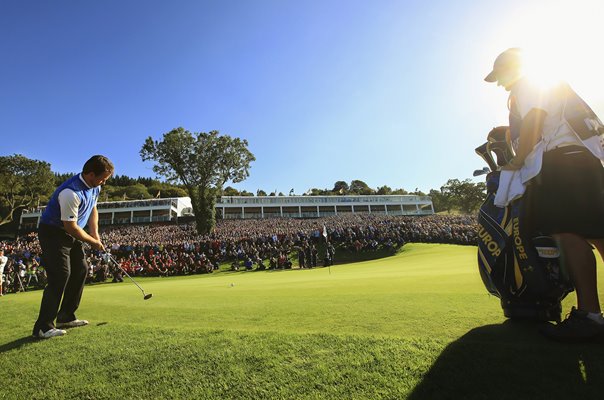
[{"x": 521, "y": 268}]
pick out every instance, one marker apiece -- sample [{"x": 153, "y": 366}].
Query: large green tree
[
  {"x": 23, "y": 183},
  {"x": 471, "y": 195},
  {"x": 203, "y": 163},
  {"x": 440, "y": 201},
  {"x": 137, "y": 192},
  {"x": 360, "y": 187},
  {"x": 464, "y": 195},
  {"x": 400, "y": 191},
  {"x": 340, "y": 187},
  {"x": 230, "y": 191},
  {"x": 164, "y": 190},
  {"x": 384, "y": 190}
]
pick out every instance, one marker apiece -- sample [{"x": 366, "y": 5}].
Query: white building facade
[
  {"x": 247, "y": 207},
  {"x": 321, "y": 206}
]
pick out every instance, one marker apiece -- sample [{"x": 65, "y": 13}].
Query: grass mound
[{"x": 416, "y": 325}]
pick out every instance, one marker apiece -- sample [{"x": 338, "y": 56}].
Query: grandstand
[{"x": 247, "y": 207}]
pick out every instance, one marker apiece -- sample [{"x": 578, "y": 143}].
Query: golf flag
[{"x": 324, "y": 231}]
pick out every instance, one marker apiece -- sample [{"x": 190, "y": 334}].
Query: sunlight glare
[
  {"x": 562, "y": 41},
  {"x": 542, "y": 71}
]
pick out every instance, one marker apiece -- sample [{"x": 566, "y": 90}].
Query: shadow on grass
[
  {"x": 513, "y": 361},
  {"x": 16, "y": 344}
]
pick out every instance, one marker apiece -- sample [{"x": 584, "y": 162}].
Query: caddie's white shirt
[{"x": 556, "y": 132}]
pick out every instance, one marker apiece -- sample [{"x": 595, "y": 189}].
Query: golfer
[
  {"x": 560, "y": 162},
  {"x": 71, "y": 208}
]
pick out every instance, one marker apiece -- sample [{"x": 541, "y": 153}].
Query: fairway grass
[{"x": 417, "y": 325}]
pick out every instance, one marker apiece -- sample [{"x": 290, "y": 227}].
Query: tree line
[
  {"x": 196, "y": 165},
  {"x": 123, "y": 187},
  {"x": 465, "y": 196}
]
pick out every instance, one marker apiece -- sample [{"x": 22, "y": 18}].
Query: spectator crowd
[{"x": 280, "y": 243}]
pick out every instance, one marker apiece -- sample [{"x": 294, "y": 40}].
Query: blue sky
[{"x": 389, "y": 92}]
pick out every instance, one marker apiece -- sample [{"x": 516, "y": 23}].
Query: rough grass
[{"x": 417, "y": 325}]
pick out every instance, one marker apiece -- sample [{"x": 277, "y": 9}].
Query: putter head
[{"x": 148, "y": 296}]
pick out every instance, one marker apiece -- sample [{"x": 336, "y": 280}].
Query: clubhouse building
[{"x": 248, "y": 207}]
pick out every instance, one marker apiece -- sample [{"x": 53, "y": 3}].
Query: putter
[{"x": 145, "y": 296}]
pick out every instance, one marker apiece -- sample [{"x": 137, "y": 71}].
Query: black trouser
[{"x": 65, "y": 263}]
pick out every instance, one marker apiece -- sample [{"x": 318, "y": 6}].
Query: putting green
[
  {"x": 367, "y": 330},
  {"x": 381, "y": 297}
]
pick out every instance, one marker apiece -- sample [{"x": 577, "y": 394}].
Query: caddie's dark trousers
[{"x": 64, "y": 260}]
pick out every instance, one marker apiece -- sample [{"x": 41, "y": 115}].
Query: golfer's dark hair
[{"x": 99, "y": 165}]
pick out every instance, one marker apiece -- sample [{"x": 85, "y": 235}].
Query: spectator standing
[
  {"x": 301, "y": 257},
  {"x": 3, "y": 261},
  {"x": 313, "y": 256}
]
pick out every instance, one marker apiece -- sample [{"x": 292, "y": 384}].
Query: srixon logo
[
  {"x": 488, "y": 241},
  {"x": 518, "y": 240}
]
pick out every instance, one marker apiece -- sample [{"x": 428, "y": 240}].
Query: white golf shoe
[
  {"x": 72, "y": 324},
  {"x": 49, "y": 333}
]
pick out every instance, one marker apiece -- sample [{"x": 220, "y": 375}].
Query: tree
[
  {"x": 464, "y": 195},
  {"x": 60, "y": 178},
  {"x": 471, "y": 195},
  {"x": 23, "y": 183},
  {"x": 399, "y": 191},
  {"x": 450, "y": 194},
  {"x": 165, "y": 190},
  {"x": 319, "y": 192},
  {"x": 360, "y": 187},
  {"x": 146, "y": 181},
  {"x": 230, "y": 191},
  {"x": 122, "y": 180},
  {"x": 110, "y": 193},
  {"x": 418, "y": 192},
  {"x": 137, "y": 192},
  {"x": 384, "y": 190},
  {"x": 439, "y": 200},
  {"x": 203, "y": 162},
  {"x": 340, "y": 187},
  {"x": 261, "y": 192}
]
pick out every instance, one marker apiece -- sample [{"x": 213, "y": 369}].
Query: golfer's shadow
[
  {"x": 16, "y": 344},
  {"x": 513, "y": 361}
]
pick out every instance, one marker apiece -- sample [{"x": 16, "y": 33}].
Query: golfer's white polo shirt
[{"x": 69, "y": 202}]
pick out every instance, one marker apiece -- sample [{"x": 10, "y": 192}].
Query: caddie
[{"x": 559, "y": 154}]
